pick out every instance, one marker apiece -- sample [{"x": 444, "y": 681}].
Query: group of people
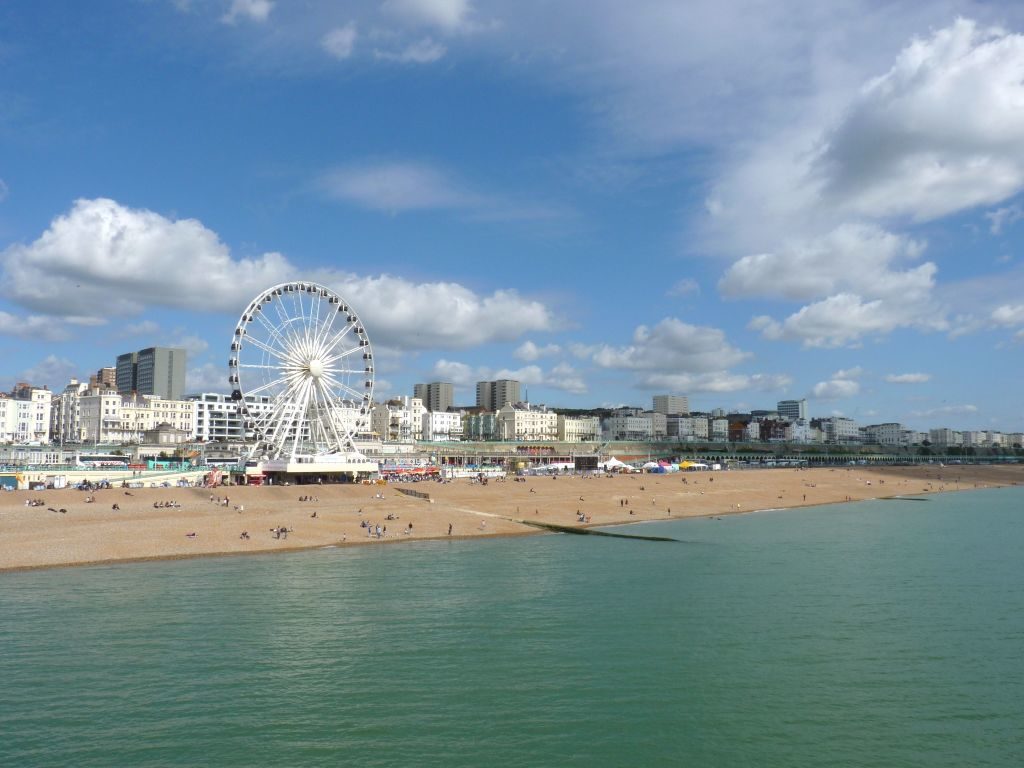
[
  {"x": 375, "y": 530},
  {"x": 279, "y": 531},
  {"x": 309, "y": 498},
  {"x": 166, "y": 505}
]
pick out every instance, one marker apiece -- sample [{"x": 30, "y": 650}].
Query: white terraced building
[
  {"x": 441, "y": 426},
  {"x": 579, "y": 429},
  {"x": 25, "y": 415},
  {"x": 522, "y": 421},
  {"x": 218, "y": 418}
]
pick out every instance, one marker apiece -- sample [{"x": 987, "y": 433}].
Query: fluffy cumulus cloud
[
  {"x": 409, "y": 315},
  {"x": 447, "y": 15},
  {"x": 858, "y": 258},
  {"x": 908, "y": 378},
  {"x": 672, "y": 345},
  {"x": 1008, "y": 315},
  {"x": 38, "y": 327},
  {"x": 206, "y": 377},
  {"x": 340, "y": 41},
  {"x": 248, "y": 10},
  {"x": 98, "y": 260},
  {"x": 679, "y": 356},
  {"x": 812, "y": 208},
  {"x": 938, "y": 133},
  {"x": 52, "y": 371},
  {"x": 528, "y": 351},
  {"x": 842, "y": 384}
]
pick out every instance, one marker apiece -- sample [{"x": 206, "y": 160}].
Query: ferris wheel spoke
[
  {"x": 287, "y": 333},
  {"x": 321, "y": 338},
  {"x": 339, "y": 337},
  {"x": 331, "y": 412},
  {"x": 334, "y": 358},
  {"x": 266, "y": 386},
  {"x": 273, "y": 331},
  {"x": 301, "y": 417},
  {"x": 278, "y": 353},
  {"x": 259, "y": 366}
]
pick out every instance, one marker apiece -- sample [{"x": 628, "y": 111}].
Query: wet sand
[{"x": 34, "y": 537}]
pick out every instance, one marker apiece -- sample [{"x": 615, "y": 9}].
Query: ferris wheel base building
[{"x": 310, "y": 470}]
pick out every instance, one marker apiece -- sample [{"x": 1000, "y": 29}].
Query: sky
[{"x": 741, "y": 201}]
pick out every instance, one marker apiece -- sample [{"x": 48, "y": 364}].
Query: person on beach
[{"x": 449, "y": 529}]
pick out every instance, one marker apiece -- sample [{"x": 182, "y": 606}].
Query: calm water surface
[{"x": 874, "y": 634}]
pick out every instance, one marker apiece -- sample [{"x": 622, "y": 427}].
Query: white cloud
[
  {"x": 852, "y": 266},
  {"x": 843, "y": 320},
  {"x": 460, "y": 374},
  {"x": 448, "y": 15},
  {"x": 1003, "y": 217},
  {"x": 405, "y": 315},
  {"x": 672, "y": 345},
  {"x": 397, "y": 186},
  {"x": 193, "y": 345},
  {"x": 938, "y": 133},
  {"x": 1008, "y": 315},
  {"x": 843, "y": 383},
  {"x": 856, "y": 258},
  {"x": 528, "y": 351},
  {"x": 424, "y": 51},
  {"x": 908, "y": 378},
  {"x": 719, "y": 381},
  {"x": 947, "y": 410},
  {"x": 248, "y": 10},
  {"x": 674, "y": 355},
  {"x": 141, "y": 328},
  {"x": 849, "y": 373},
  {"x": 207, "y": 377},
  {"x": 400, "y": 186},
  {"x": 835, "y": 389},
  {"x": 562, "y": 376},
  {"x": 52, "y": 371},
  {"x": 37, "y": 327},
  {"x": 340, "y": 41},
  {"x": 98, "y": 261},
  {"x": 684, "y": 287}
]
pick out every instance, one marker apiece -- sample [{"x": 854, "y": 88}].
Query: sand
[{"x": 35, "y": 537}]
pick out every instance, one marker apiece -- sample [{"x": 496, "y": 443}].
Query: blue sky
[{"x": 742, "y": 202}]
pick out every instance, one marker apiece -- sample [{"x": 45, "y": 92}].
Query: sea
[{"x": 883, "y": 633}]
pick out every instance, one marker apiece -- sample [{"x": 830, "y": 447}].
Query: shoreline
[{"x": 34, "y": 538}]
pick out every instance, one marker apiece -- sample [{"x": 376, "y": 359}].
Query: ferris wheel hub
[{"x": 315, "y": 368}]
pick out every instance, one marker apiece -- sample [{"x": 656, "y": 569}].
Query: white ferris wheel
[{"x": 301, "y": 370}]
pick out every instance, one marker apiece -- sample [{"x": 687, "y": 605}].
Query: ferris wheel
[{"x": 301, "y": 370}]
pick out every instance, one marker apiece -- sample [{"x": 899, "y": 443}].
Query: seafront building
[
  {"x": 157, "y": 371},
  {"x": 219, "y": 418},
  {"x": 578, "y": 429},
  {"x": 25, "y": 414},
  {"x": 436, "y": 396},
  {"x": 794, "y": 410},
  {"x": 399, "y": 420},
  {"x": 494, "y": 395},
  {"x": 441, "y": 426},
  {"x": 671, "y": 405},
  {"x": 523, "y": 421}
]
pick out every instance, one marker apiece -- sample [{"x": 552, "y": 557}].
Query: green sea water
[{"x": 887, "y": 633}]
